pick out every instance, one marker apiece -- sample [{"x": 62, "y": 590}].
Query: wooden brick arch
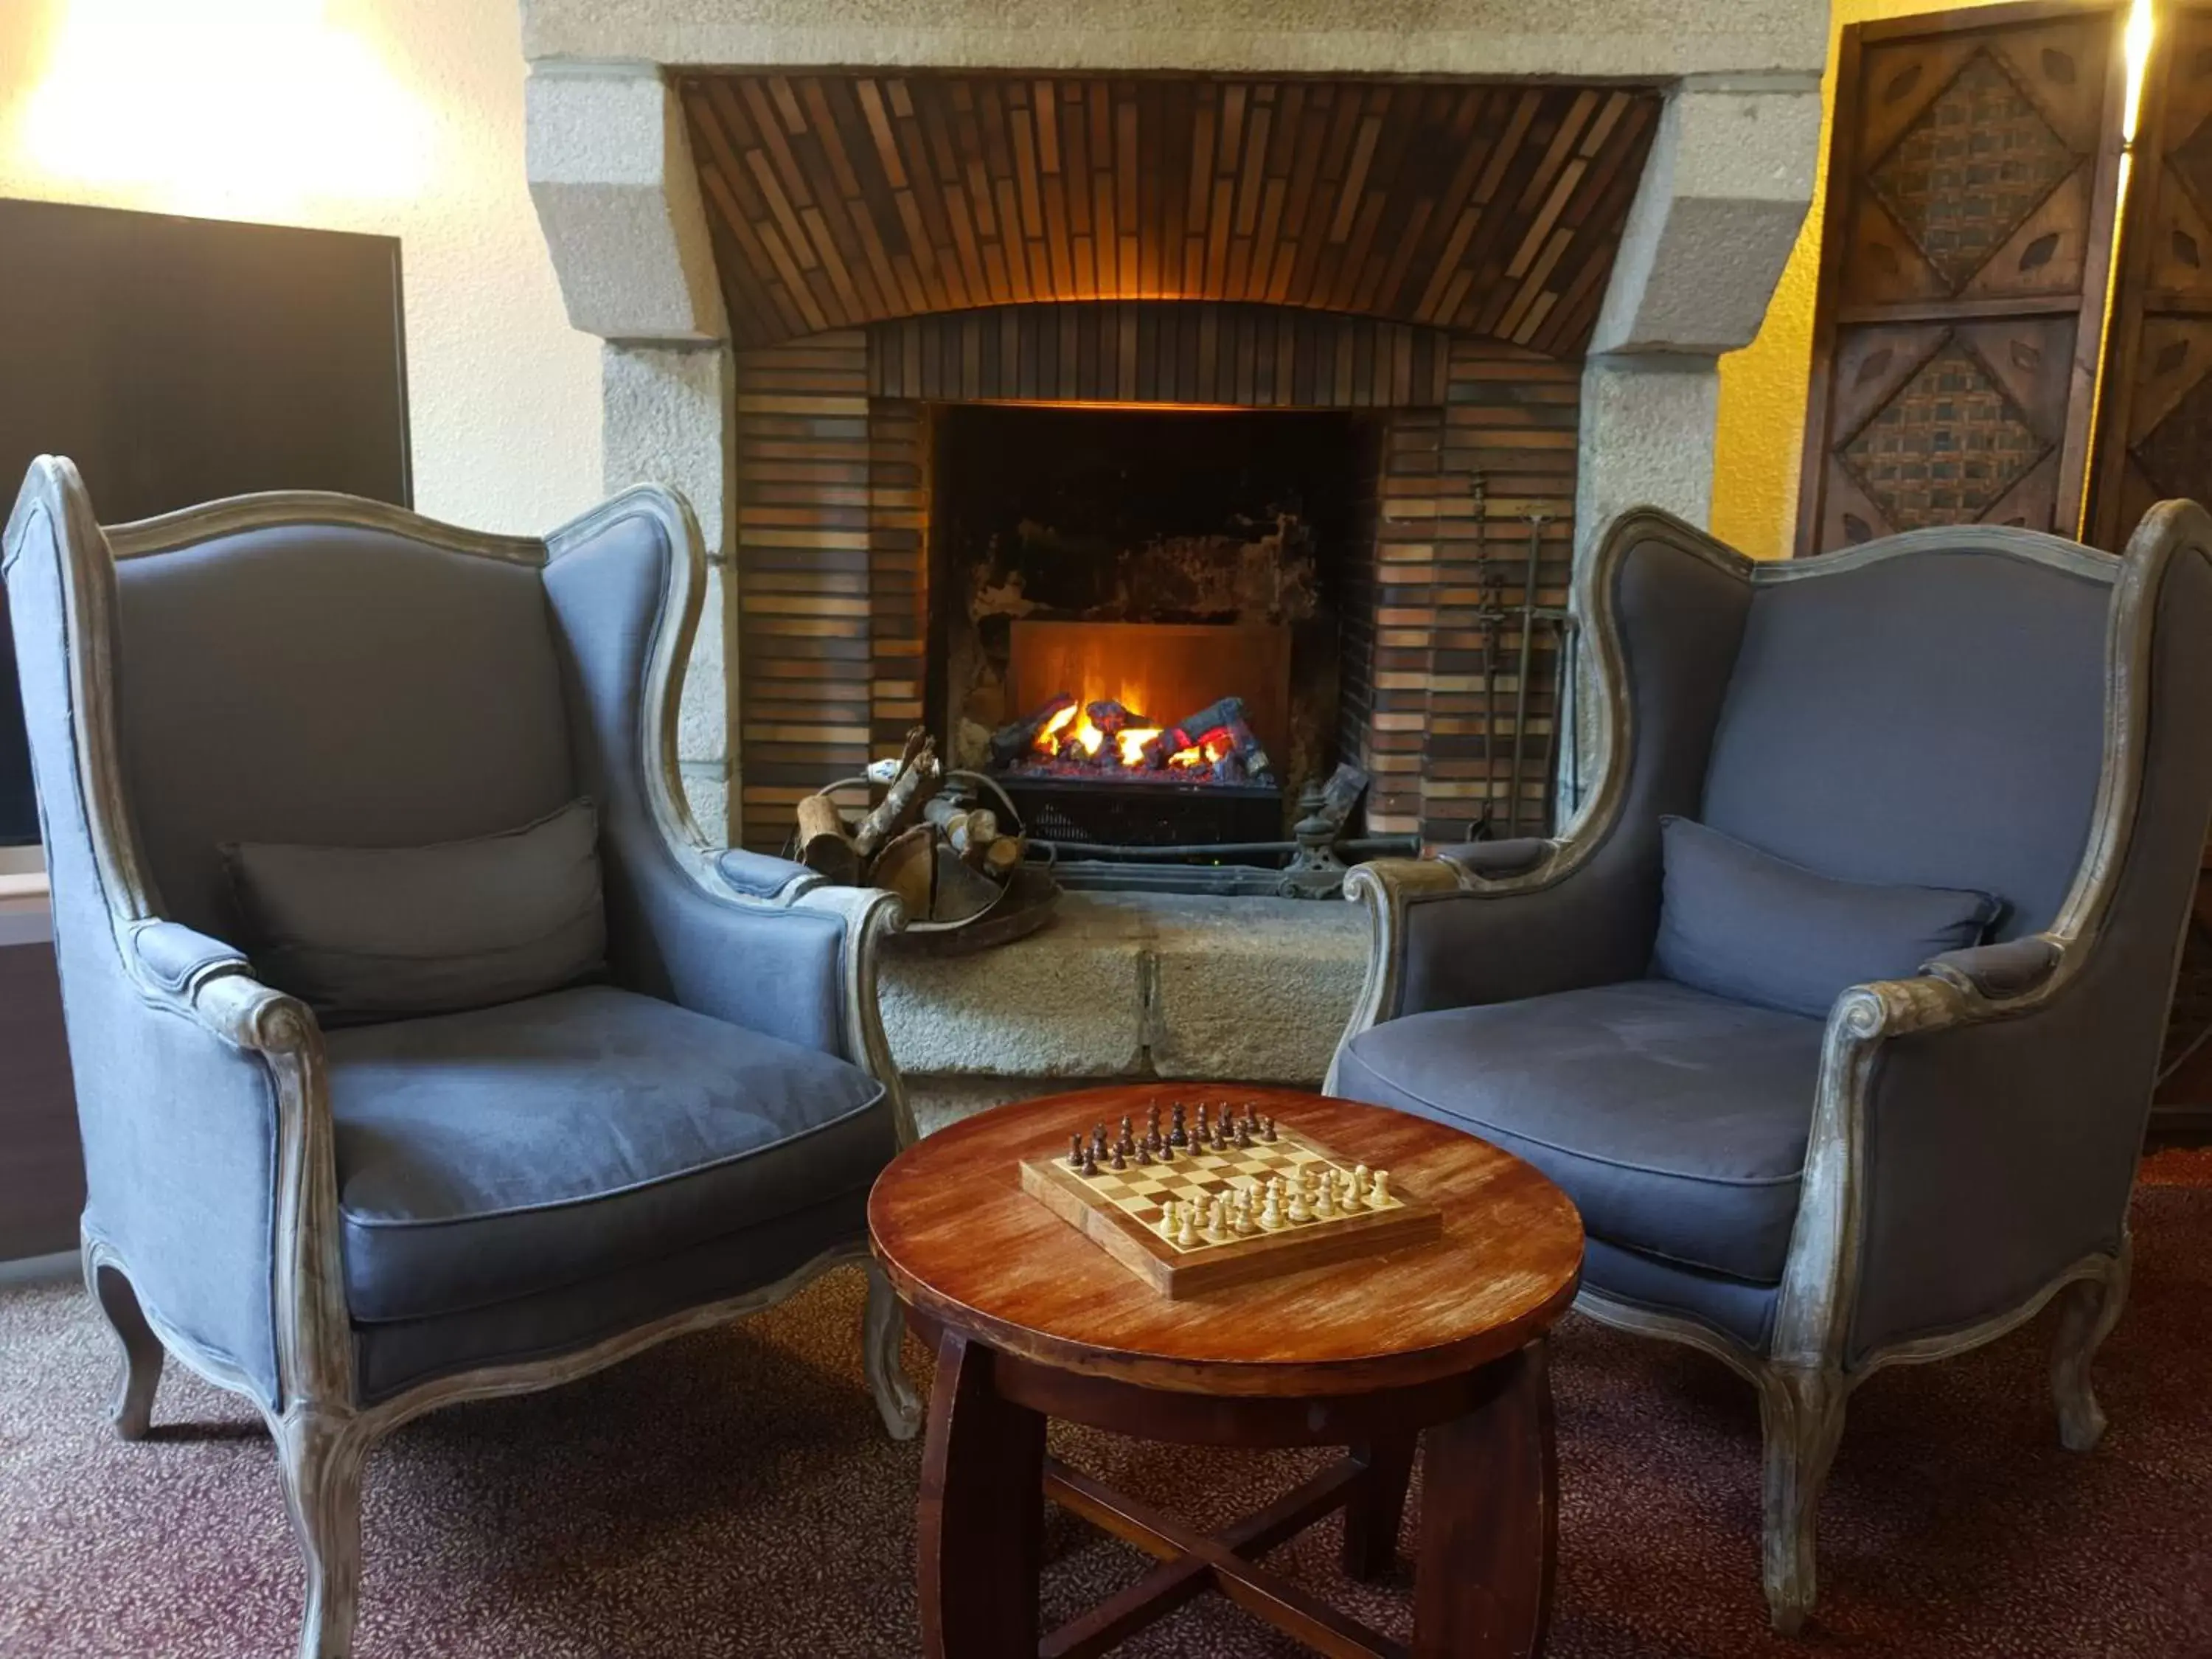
[{"x": 839, "y": 198}]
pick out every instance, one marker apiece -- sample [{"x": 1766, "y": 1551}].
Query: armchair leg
[
  {"x": 1801, "y": 1414},
  {"x": 2088, "y": 1310},
  {"x": 883, "y": 1325},
  {"x": 321, "y": 1454},
  {"x": 133, "y": 1408}
]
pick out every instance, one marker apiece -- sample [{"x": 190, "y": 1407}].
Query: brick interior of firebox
[{"x": 1107, "y": 579}]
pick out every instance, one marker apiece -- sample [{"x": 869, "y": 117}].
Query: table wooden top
[{"x": 965, "y": 1245}]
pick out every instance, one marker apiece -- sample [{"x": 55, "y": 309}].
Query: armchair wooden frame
[
  {"x": 1805, "y": 1379},
  {"x": 322, "y": 1434}
]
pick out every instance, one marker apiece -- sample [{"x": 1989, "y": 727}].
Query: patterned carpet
[{"x": 732, "y": 1495}]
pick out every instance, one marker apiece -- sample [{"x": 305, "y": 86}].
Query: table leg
[
  {"x": 980, "y": 1546},
  {"x": 1490, "y": 1523},
  {"x": 1377, "y": 1504}
]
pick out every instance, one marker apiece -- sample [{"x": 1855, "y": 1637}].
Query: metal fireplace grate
[{"x": 1115, "y": 812}]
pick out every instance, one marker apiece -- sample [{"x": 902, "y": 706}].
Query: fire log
[
  {"x": 1014, "y": 740},
  {"x": 1113, "y": 718},
  {"x": 903, "y": 802},
  {"x": 907, "y": 866},
  {"x": 1004, "y": 856},
  {"x": 823, "y": 845}
]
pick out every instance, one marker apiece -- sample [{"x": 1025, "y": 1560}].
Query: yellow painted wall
[
  {"x": 1761, "y": 429},
  {"x": 402, "y": 118}
]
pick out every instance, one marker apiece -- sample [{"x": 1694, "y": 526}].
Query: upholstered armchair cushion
[
  {"x": 373, "y": 932},
  {"x": 491, "y": 1155},
  {"x": 1676, "y": 1120},
  {"x": 1740, "y": 923}
]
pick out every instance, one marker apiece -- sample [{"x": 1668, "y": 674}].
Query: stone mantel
[{"x": 1642, "y": 39}]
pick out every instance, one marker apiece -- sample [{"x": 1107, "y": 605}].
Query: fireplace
[{"x": 1137, "y": 616}]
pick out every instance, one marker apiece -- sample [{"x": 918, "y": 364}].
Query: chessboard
[{"x": 1232, "y": 1199}]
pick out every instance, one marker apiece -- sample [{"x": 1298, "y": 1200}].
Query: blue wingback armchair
[
  {"x": 1845, "y": 1156},
  {"x": 351, "y": 1225}
]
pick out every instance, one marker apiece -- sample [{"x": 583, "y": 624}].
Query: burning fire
[
  {"x": 1103, "y": 737},
  {"x": 1071, "y": 730}
]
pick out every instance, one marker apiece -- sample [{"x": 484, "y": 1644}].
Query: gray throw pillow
[
  {"x": 1743, "y": 924},
  {"x": 363, "y": 933}
]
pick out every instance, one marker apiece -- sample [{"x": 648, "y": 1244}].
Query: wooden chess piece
[
  {"x": 1152, "y": 1127},
  {"x": 1089, "y": 1163},
  {"x": 1205, "y": 1129},
  {"x": 1177, "y": 1135},
  {"x": 1270, "y": 1137},
  {"x": 1120, "y": 1162},
  {"x": 1167, "y": 1220},
  {"x": 1075, "y": 1151},
  {"x": 1144, "y": 1154},
  {"x": 1382, "y": 1189}
]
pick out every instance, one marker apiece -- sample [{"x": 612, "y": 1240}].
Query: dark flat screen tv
[{"x": 176, "y": 360}]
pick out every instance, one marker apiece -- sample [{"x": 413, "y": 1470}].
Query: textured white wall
[{"x": 404, "y": 118}]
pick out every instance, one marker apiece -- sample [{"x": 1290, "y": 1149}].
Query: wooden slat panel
[
  {"x": 1164, "y": 351},
  {"x": 839, "y": 199}
]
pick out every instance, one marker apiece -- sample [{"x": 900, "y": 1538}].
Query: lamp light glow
[{"x": 224, "y": 104}]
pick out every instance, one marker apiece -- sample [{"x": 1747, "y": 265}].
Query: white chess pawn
[
  {"x": 1216, "y": 1218},
  {"x": 1271, "y": 1212},
  {"x": 1325, "y": 1204},
  {"x": 1362, "y": 1179},
  {"x": 1187, "y": 1226},
  {"x": 1241, "y": 1221},
  {"x": 1300, "y": 1211},
  {"x": 1167, "y": 1220},
  {"x": 1382, "y": 1192}
]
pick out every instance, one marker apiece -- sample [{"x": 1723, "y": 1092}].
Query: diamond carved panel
[
  {"x": 2176, "y": 454},
  {"x": 1946, "y": 447},
  {"x": 1966, "y": 174},
  {"x": 2191, "y": 162}
]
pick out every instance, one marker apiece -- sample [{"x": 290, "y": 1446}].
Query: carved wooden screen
[
  {"x": 1964, "y": 258},
  {"x": 2154, "y": 437}
]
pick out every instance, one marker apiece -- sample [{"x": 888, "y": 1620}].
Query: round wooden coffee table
[{"x": 1031, "y": 1321}]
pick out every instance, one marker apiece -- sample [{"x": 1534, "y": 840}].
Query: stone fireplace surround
[{"x": 1723, "y": 189}]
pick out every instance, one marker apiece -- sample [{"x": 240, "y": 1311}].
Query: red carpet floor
[{"x": 732, "y": 1495}]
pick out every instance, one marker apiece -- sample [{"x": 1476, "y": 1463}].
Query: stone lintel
[{"x": 1650, "y": 39}]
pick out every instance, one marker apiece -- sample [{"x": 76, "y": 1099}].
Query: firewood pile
[{"x": 930, "y": 839}]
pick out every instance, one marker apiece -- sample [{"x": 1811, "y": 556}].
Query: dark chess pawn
[
  {"x": 1090, "y": 1163},
  {"x": 1152, "y": 1127},
  {"x": 1205, "y": 1128},
  {"x": 1177, "y": 1135},
  {"x": 1120, "y": 1162},
  {"x": 1144, "y": 1153},
  {"x": 1243, "y": 1138},
  {"x": 1098, "y": 1139},
  {"x": 1269, "y": 1134},
  {"x": 1075, "y": 1151}
]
